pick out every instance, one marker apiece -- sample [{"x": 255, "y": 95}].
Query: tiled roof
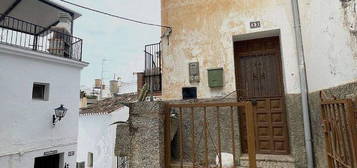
[{"x": 109, "y": 105}]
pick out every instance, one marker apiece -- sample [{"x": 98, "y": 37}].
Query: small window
[
  {"x": 189, "y": 93},
  {"x": 40, "y": 91}
]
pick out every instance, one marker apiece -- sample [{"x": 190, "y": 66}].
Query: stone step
[
  {"x": 189, "y": 165},
  {"x": 270, "y": 161},
  {"x": 263, "y": 161}
]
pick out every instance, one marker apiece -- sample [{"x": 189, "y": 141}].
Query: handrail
[{"x": 51, "y": 40}]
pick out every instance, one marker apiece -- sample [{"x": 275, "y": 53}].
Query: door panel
[{"x": 259, "y": 79}]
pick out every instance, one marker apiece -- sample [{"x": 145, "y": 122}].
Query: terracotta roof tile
[{"x": 109, "y": 105}]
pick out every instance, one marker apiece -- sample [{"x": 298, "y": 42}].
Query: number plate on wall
[{"x": 254, "y": 25}]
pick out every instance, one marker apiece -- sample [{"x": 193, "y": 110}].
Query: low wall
[{"x": 141, "y": 139}]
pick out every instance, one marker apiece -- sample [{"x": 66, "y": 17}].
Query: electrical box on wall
[
  {"x": 194, "y": 72},
  {"x": 215, "y": 77}
]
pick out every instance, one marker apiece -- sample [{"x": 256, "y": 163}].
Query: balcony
[
  {"x": 152, "y": 76},
  {"x": 53, "y": 40}
]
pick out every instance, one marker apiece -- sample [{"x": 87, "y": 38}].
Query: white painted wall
[
  {"x": 96, "y": 135},
  {"x": 330, "y": 47},
  {"x": 26, "y": 129}
]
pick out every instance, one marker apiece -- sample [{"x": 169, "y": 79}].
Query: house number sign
[
  {"x": 71, "y": 153},
  {"x": 254, "y": 25}
]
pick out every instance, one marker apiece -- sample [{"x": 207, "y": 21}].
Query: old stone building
[{"x": 278, "y": 54}]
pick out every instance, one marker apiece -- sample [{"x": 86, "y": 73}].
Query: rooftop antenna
[{"x": 101, "y": 80}]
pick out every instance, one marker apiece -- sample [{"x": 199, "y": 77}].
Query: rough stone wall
[
  {"x": 340, "y": 92},
  {"x": 142, "y": 138}
]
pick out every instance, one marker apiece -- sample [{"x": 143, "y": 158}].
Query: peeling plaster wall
[
  {"x": 203, "y": 31},
  {"x": 330, "y": 42}
]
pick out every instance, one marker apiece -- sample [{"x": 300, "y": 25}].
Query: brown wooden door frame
[{"x": 277, "y": 52}]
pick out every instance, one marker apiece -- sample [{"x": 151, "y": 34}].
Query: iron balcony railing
[
  {"x": 54, "y": 41},
  {"x": 152, "y": 74}
]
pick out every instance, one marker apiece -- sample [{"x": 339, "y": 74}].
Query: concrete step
[{"x": 270, "y": 161}]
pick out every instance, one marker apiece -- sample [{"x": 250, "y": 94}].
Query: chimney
[
  {"x": 61, "y": 41},
  {"x": 114, "y": 86}
]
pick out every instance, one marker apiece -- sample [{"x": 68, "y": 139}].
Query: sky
[{"x": 120, "y": 42}]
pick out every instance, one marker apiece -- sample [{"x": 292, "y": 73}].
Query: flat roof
[{"x": 39, "y": 12}]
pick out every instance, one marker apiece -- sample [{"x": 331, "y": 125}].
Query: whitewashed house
[
  {"x": 97, "y": 131},
  {"x": 40, "y": 64}
]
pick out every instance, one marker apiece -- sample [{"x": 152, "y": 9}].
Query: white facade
[
  {"x": 97, "y": 135},
  {"x": 330, "y": 43},
  {"x": 26, "y": 129}
]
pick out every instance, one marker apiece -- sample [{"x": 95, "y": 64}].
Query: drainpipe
[{"x": 303, "y": 84}]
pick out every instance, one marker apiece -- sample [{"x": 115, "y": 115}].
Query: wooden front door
[{"x": 259, "y": 79}]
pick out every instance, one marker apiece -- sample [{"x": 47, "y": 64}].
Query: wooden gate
[
  {"x": 197, "y": 134},
  {"x": 340, "y": 130}
]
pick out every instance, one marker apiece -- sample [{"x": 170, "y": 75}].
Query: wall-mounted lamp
[{"x": 60, "y": 112}]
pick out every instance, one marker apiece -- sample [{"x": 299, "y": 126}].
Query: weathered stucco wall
[
  {"x": 329, "y": 42},
  {"x": 204, "y": 31}
]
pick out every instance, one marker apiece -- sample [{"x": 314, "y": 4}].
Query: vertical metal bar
[
  {"x": 233, "y": 137},
  {"x": 206, "y": 136},
  {"x": 219, "y": 137},
  {"x": 81, "y": 50},
  {"x": 181, "y": 138},
  {"x": 35, "y": 40},
  {"x": 17, "y": 32},
  {"x": 26, "y": 35},
  {"x": 22, "y": 28},
  {"x": 7, "y": 31},
  {"x": 337, "y": 131},
  {"x": 332, "y": 133},
  {"x": 2, "y": 34},
  {"x": 344, "y": 133},
  {"x": 12, "y": 31},
  {"x": 325, "y": 120},
  {"x": 352, "y": 130},
  {"x": 251, "y": 134},
  {"x": 29, "y": 42},
  {"x": 193, "y": 137}
]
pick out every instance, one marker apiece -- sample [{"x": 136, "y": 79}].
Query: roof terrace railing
[
  {"x": 51, "y": 40},
  {"x": 153, "y": 71}
]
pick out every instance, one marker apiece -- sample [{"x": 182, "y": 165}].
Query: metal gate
[
  {"x": 200, "y": 134},
  {"x": 340, "y": 130}
]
